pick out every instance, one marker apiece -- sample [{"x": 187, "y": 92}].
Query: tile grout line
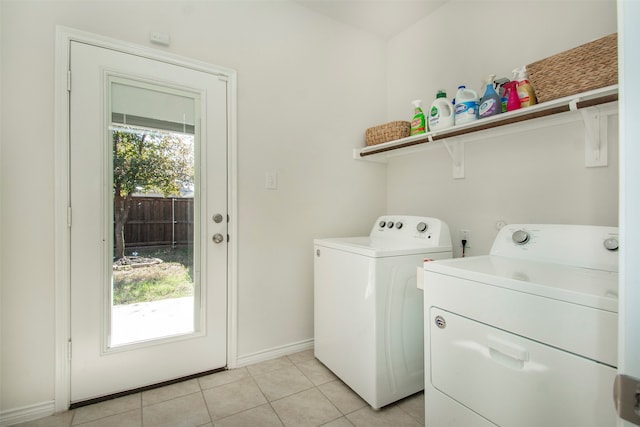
[
  {"x": 265, "y": 397},
  {"x": 205, "y": 402},
  {"x": 342, "y": 414},
  {"x": 313, "y": 386}
]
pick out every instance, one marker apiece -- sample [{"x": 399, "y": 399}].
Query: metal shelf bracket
[
  {"x": 456, "y": 152},
  {"x": 596, "y": 143}
]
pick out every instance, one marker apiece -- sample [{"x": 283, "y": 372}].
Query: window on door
[{"x": 153, "y": 180}]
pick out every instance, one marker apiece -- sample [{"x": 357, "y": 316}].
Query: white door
[{"x": 142, "y": 127}]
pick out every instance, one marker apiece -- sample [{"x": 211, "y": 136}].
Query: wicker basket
[
  {"x": 587, "y": 67},
  {"x": 387, "y": 132}
]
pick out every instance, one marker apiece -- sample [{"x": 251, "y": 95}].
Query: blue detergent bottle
[{"x": 490, "y": 103}]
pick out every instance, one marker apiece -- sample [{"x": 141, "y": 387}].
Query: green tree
[{"x": 146, "y": 162}]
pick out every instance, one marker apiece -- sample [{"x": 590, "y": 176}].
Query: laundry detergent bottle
[
  {"x": 466, "y": 109},
  {"x": 441, "y": 113},
  {"x": 490, "y": 104},
  {"x": 418, "y": 124},
  {"x": 525, "y": 90}
]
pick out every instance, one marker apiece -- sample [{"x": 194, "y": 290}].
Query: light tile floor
[{"x": 295, "y": 390}]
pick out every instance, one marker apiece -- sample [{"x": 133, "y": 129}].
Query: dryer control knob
[
  {"x": 520, "y": 237},
  {"x": 422, "y": 227},
  {"x": 611, "y": 244},
  {"x": 399, "y": 225},
  {"x": 382, "y": 224},
  {"x": 390, "y": 224}
]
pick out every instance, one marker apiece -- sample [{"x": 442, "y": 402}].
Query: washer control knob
[
  {"x": 382, "y": 224},
  {"x": 399, "y": 225},
  {"x": 611, "y": 243},
  {"x": 520, "y": 237},
  {"x": 390, "y": 224},
  {"x": 422, "y": 227}
]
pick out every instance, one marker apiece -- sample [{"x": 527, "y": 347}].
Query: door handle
[
  {"x": 507, "y": 353},
  {"x": 218, "y": 238}
]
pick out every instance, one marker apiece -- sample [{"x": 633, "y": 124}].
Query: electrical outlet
[{"x": 464, "y": 235}]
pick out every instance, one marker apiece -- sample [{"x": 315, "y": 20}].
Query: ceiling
[{"x": 383, "y": 18}]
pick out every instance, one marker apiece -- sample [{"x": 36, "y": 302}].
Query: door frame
[
  {"x": 62, "y": 239},
  {"x": 629, "y": 183}
]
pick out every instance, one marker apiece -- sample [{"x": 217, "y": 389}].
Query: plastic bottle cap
[
  {"x": 489, "y": 80},
  {"x": 520, "y": 73},
  {"x": 441, "y": 94}
]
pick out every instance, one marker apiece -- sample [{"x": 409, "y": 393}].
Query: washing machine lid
[
  {"x": 379, "y": 247},
  {"x": 578, "y": 285}
]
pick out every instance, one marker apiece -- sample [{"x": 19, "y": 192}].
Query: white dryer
[
  {"x": 368, "y": 310},
  {"x": 525, "y": 336}
]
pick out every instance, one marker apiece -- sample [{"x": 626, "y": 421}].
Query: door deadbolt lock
[
  {"x": 218, "y": 238},
  {"x": 217, "y": 218}
]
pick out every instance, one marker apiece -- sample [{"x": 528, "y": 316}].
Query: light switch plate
[{"x": 271, "y": 180}]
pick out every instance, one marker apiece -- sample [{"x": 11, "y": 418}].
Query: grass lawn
[{"x": 170, "y": 279}]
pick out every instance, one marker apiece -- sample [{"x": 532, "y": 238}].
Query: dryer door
[{"x": 513, "y": 381}]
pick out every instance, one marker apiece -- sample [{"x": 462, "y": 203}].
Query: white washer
[
  {"x": 525, "y": 336},
  {"x": 367, "y": 308}
]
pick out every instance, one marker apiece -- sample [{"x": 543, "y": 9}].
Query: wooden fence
[{"x": 159, "y": 221}]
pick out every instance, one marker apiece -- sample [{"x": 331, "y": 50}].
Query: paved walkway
[{"x": 151, "y": 320}]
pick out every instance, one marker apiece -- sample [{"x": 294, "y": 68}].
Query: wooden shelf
[{"x": 582, "y": 101}]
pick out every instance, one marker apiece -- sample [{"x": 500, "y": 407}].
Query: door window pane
[{"x": 153, "y": 147}]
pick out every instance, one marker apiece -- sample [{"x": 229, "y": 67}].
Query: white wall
[
  {"x": 304, "y": 100},
  {"x": 527, "y": 177}
]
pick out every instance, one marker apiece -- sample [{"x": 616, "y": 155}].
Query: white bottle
[
  {"x": 440, "y": 115},
  {"x": 466, "y": 105}
]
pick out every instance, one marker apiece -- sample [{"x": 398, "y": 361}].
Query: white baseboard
[
  {"x": 273, "y": 353},
  {"x": 26, "y": 413}
]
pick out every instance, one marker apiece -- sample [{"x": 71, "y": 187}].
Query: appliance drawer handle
[{"x": 501, "y": 351}]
